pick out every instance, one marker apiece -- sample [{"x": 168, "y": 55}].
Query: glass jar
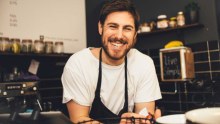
[
  {"x": 15, "y": 45},
  {"x": 145, "y": 27},
  {"x": 38, "y": 46},
  {"x": 58, "y": 47},
  {"x": 48, "y": 47},
  {"x": 180, "y": 19},
  {"x": 162, "y": 22},
  {"x": 26, "y": 45},
  {"x": 172, "y": 22},
  {"x": 4, "y": 44}
]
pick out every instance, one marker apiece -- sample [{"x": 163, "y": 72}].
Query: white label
[
  {"x": 33, "y": 66},
  {"x": 144, "y": 112}
]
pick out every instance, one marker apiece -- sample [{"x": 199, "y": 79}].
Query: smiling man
[{"x": 115, "y": 80}]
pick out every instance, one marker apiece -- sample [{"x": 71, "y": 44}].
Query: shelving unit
[
  {"x": 49, "y": 73},
  {"x": 185, "y": 27},
  {"x": 160, "y": 37}
]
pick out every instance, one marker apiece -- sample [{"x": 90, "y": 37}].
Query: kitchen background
[{"x": 178, "y": 97}]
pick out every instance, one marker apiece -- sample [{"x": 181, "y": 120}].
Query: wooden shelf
[
  {"x": 35, "y": 54},
  {"x": 190, "y": 26}
]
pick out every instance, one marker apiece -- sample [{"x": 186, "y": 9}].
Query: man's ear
[
  {"x": 100, "y": 28},
  {"x": 135, "y": 35}
]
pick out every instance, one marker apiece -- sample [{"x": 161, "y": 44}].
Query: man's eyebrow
[
  {"x": 129, "y": 26},
  {"x": 112, "y": 23}
]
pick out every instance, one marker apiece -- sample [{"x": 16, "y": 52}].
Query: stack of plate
[{"x": 197, "y": 116}]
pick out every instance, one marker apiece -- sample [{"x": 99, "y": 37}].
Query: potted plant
[{"x": 192, "y": 12}]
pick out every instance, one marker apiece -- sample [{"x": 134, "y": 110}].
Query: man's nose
[{"x": 119, "y": 33}]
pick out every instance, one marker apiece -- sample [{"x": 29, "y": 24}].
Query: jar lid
[
  {"x": 173, "y": 18},
  {"x": 59, "y": 43},
  {"x": 4, "y": 38},
  {"x": 38, "y": 41},
  {"x": 180, "y": 12},
  {"x": 27, "y": 40},
  {"x": 48, "y": 42},
  {"x": 15, "y": 40},
  {"x": 162, "y": 17}
]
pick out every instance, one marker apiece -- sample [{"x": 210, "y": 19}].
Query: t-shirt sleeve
[
  {"x": 148, "y": 86},
  {"x": 74, "y": 87}
]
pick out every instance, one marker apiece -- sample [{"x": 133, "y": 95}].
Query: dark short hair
[{"x": 119, "y": 5}]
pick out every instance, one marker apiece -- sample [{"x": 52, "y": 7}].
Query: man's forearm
[{"x": 83, "y": 119}]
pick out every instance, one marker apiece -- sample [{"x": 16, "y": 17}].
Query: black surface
[{"x": 54, "y": 117}]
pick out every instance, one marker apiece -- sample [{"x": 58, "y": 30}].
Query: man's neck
[{"x": 105, "y": 58}]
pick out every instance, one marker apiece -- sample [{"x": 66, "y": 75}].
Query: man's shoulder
[
  {"x": 137, "y": 55},
  {"x": 80, "y": 57}
]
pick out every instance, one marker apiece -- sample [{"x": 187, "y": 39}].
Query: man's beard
[{"x": 115, "y": 39}]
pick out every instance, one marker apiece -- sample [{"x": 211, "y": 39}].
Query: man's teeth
[{"x": 117, "y": 45}]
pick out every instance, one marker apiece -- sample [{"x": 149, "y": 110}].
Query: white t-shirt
[{"x": 80, "y": 78}]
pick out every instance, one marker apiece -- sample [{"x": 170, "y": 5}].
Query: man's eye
[
  {"x": 128, "y": 29},
  {"x": 112, "y": 27}
]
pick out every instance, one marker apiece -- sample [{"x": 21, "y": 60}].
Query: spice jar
[
  {"x": 4, "y": 44},
  {"x": 48, "y": 47},
  {"x": 26, "y": 45},
  {"x": 58, "y": 47},
  {"x": 15, "y": 45},
  {"x": 162, "y": 21},
  {"x": 180, "y": 19},
  {"x": 38, "y": 46},
  {"x": 172, "y": 22},
  {"x": 145, "y": 27}
]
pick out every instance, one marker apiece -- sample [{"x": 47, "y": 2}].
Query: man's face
[{"x": 118, "y": 34}]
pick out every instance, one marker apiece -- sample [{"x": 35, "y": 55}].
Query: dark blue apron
[{"x": 99, "y": 111}]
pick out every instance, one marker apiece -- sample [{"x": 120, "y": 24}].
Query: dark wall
[{"x": 150, "y": 10}]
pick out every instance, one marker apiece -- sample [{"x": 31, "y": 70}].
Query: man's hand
[{"x": 141, "y": 119}]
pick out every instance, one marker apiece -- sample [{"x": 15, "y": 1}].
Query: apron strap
[{"x": 98, "y": 88}]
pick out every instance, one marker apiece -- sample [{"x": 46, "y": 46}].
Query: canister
[
  {"x": 26, "y": 45},
  {"x": 48, "y": 47},
  {"x": 58, "y": 47},
  {"x": 4, "y": 44},
  {"x": 162, "y": 22},
  {"x": 15, "y": 45},
  {"x": 38, "y": 46}
]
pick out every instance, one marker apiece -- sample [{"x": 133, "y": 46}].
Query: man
[{"x": 115, "y": 80}]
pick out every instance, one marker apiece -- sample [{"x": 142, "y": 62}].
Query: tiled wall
[{"x": 203, "y": 91}]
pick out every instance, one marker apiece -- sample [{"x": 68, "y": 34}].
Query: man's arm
[
  {"x": 78, "y": 113},
  {"x": 138, "y": 107},
  {"x": 149, "y": 105}
]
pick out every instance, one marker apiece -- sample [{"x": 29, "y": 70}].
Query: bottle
[{"x": 180, "y": 19}]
